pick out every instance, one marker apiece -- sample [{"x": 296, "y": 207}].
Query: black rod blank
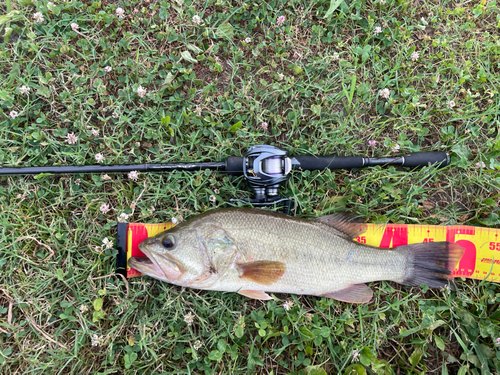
[{"x": 164, "y": 167}]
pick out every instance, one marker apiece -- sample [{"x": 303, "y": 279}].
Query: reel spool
[{"x": 266, "y": 168}]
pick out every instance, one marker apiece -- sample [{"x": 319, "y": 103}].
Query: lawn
[{"x": 122, "y": 82}]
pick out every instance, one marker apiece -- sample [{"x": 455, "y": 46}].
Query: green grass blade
[{"x": 334, "y": 4}]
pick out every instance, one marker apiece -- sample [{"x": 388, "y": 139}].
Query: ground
[{"x": 371, "y": 78}]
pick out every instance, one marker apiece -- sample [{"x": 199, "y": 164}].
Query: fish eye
[{"x": 168, "y": 242}]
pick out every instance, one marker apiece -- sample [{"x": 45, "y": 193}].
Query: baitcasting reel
[{"x": 266, "y": 168}]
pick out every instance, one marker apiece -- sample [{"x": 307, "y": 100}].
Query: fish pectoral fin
[
  {"x": 262, "y": 271},
  {"x": 355, "y": 293},
  {"x": 255, "y": 294},
  {"x": 345, "y": 223}
]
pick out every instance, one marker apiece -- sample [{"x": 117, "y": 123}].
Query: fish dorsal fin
[
  {"x": 354, "y": 293},
  {"x": 264, "y": 272},
  {"x": 255, "y": 294},
  {"x": 346, "y": 223}
]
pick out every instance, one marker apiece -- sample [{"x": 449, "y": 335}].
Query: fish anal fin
[
  {"x": 355, "y": 293},
  {"x": 255, "y": 294},
  {"x": 262, "y": 271},
  {"x": 347, "y": 223}
]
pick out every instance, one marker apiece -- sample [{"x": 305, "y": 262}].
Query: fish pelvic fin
[
  {"x": 346, "y": 223},
  {"x": 255, "y": 294},
  {"x": 263, "y": 272},
  {"x": 430, "y": 263},
  {"x": 355, "y": 293}
]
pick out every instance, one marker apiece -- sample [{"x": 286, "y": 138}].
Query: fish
[{"x": 254, "y": 252}]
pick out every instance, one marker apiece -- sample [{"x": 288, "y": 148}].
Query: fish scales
[
  {"x": 255, "y": 251},
  {"x": 317, "y": 259}
]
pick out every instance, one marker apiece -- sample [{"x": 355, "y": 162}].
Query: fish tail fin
[{"x": 431, "y": 263}]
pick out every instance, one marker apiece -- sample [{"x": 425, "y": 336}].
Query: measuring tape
[{"x": 481, "y": 259}]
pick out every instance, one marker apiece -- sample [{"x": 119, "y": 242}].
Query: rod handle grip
[
  {"x": 422, "y": 159},
  {"x": 314, "y": 163}
]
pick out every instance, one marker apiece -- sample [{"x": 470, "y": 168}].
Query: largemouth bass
[{"x": 251, "y": 252}]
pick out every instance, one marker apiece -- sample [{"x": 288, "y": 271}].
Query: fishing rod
[{"x": 265, "y": 168}]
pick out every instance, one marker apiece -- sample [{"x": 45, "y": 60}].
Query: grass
[{"x": 317, "y": 83}]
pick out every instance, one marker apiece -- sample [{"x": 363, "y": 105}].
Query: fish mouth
[
  {"x": 147, "y": 267},
  {"x": 150, "y": 265}
]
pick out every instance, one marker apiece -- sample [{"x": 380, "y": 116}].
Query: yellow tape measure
[{"x": 481, "y": 259}]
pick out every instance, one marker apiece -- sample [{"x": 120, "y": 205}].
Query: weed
[{"x": 183, "y": 80}]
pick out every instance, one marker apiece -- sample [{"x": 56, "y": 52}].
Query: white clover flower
[
  {"x": 198, "y": 110},
  {"x": 355, "y": 355},
  {"x": 104, "y": 209},
  {"x": 24, "y": 89},
  {"x": 385, "y": 93},
  {"x": 197, "y": 345},
  {"x": 288, "y": 305},
  {"x": 123, "y": 217},
  {"x": 38, "y": 17},
  {"x": 480, "y": 164},
  {"x": 108, "y": 69},
  {"x": 134, "y": 175},
  {"x": 281, "y": 76},
  {"x": 264, "y": 125},
  {"x": 335, "y": 56},
  {"x": 189, "y": 318},
  {"x": 97, "y": 340},
  {"x": 71, "y": 138},
  {"x": 248, "y": 40},
  {"x": 13, "y": 114},
  {"x": 120, "y": 13},
  {"x": 415, "y": 55},
  {"x": 83, "y": 308},
  {"x": 107, "y": 243},
  {"x": 377, "y": 30},
  {"x": 196, "y": 19},
  {"x": 115, "y": 115},
  {"x": 141, "y": 91},
  {"x": 99, "y": 157},
  {"x": 74, "y": 26},
  {"x": 395, "y": 148},
  {"x": 451, "y": 104},
  {"x": 95, "y": 132}
]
